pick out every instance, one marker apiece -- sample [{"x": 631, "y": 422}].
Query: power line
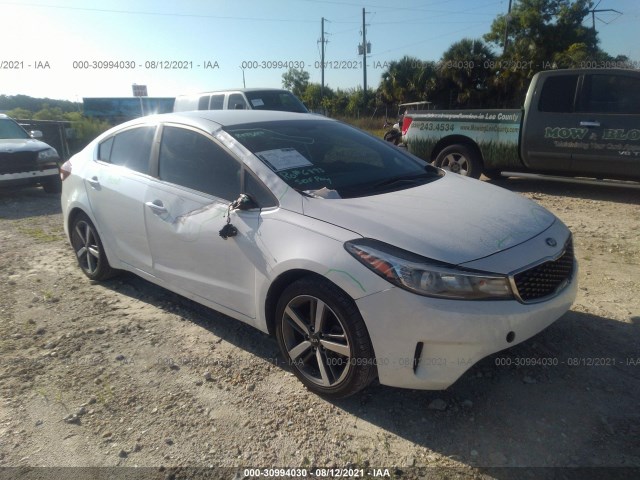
[{"x": 141, "y": 12}]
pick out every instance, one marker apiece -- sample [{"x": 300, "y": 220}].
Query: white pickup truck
[{"x": 574, "y": 123}]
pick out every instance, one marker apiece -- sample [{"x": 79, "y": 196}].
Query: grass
[
  {"x": 38, "y": 234},
  {"x": 374, "y": 125}
]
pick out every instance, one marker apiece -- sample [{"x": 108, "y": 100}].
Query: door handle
[
  {"x": 94, "y": 182},
  {"x": 589, "y": 124},
  {"x": 157, "y": 206}
]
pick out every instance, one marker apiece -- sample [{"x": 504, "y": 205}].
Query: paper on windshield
[
  {"x": 257, "y": 102},
  {"x": 283, "y": 159}
]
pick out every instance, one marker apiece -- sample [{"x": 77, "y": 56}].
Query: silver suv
[
  {"x": 241, "y": 99},
  {"x": 25, "y": 160}
]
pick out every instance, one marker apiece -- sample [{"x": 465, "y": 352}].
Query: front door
[{"x": 184, "y": 211}]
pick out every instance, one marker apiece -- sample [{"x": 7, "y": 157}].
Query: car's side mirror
[
  {"x": 35, "y": 134},
  {"x": 244, "y": 202}
]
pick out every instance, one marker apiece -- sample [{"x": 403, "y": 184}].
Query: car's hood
[
  {"x": 453, "y": 219},
  {"x": 22, "y": 145}
]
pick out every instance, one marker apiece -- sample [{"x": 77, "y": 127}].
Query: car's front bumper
[
  {"x": 454, "y": 334},
  {"x": 27, "y": 178}
]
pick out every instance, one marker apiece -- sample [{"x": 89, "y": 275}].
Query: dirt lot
[{"x": 127, "y": 374}]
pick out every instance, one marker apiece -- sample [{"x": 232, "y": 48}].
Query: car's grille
[
  {"x": 547, "y": 278},
  {"x": 18, "y": 162}
]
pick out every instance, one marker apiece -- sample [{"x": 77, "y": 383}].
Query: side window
[
  {"x": 558, "y": 94},
  {"x": 203, "y": 103},
  {"x": 132, "y": 148},
  {"x": 191, "y": 160},
  {"x": 261, "y": 194},
  {"x": 104, "y": 149},
  {"x": 217, "y": 102},
  {"x": 236, "y": 102},
  {"x": 611, "y": 94}
]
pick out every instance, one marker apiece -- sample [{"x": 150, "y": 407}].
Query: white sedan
[{"x": 361, "y": 259}]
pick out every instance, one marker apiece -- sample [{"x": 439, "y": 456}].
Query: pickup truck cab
[
  {"x": 582, "y": 122},
  {"x": 24, "y": 160}
]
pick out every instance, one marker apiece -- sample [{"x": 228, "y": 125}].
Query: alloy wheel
[
  {"x": 86, "y": 246},
  {"x": 316, "y": 341}
]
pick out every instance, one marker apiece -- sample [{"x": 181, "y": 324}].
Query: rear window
[
  {"x": 217, "y": 102},
  {"x": 312, "y": 155},
  {"x": 130, "y": 148},
  {"x": 605, "y": 93},
  {"x": 275, "y": 100},
  {"x": 558, "y": 94}
]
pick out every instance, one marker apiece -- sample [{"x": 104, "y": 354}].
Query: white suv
[{"x": 241, "y": 99}]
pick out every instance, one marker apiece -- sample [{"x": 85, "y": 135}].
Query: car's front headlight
[
  {"x": 428, "y": 277},
  {"x": 48, "y": 154}
]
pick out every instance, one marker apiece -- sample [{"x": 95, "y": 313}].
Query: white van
[{"x": 241, "y": 99}]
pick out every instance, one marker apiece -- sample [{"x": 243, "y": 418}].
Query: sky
[{"x": 70, "y": 49}]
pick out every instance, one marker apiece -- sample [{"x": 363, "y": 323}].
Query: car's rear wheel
[
  {"x": 324, "y": 339},
  {"x": 89, "y": 250},
  {"x": 460, "y": 159}
]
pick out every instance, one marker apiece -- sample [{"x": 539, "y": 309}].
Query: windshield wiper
[{"x": 413, "y": 179}]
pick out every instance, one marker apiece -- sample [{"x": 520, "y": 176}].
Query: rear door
[
  {"x": 609, "y": 108},
  {"x": 116, "y": 186}
]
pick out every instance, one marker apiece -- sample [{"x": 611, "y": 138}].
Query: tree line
[
  {"x": 491, "y": 72},
  {"x": 84, "y": 129}
]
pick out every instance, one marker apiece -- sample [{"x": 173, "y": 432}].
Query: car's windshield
[
  {"x": 275, "y": 100},
  {"x": 313, "y": 155},
  {"x": 10, "y": 129}
]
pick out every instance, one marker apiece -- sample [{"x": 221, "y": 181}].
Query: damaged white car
[{"x": 361, "y": 259}]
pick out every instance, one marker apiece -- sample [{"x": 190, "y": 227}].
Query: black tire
[
  {"x": 52, "y": 184},
  {"x": 460, "y": 159},
  {"x": 492, "y": 174},
  {"x": 88, "y": 248},
  {"x": 393, "y": 136},
  {"x": 332, "y": 356}
]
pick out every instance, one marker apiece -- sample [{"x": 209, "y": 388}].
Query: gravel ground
[{"x": 124, "y": 373}]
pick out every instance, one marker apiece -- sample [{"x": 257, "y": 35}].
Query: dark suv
[{"x": 25, "y": 160}]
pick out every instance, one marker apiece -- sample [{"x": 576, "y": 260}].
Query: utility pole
[
  {"x": 364, "y": 57},
  {"x": 595, "y": 10},
  {"x": 322, "y": 43},
  {"x": 506, "y": 30}
]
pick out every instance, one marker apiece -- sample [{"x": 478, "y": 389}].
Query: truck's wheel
[
  {"x": 492, "y": 174},
  {"x": 52, "y": 184},
  {"x": 460, "y": 159},
  {"x": 393, "y": 136}
]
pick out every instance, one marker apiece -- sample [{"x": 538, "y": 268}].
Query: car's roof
[
  {"x": 212, "y": 120},
  {"x": 226, "y": 118}
]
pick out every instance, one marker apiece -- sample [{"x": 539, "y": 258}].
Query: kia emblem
[{"x": 551, "y": 242}]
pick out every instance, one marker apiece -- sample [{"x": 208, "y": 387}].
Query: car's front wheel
[
  {"x": 89, "y": 250},
  {"x": 324, "y": 339}
]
